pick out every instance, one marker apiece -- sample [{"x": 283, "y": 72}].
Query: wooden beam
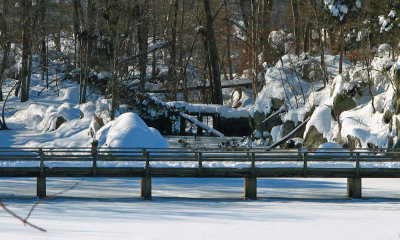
[
  {"x": 354, "y": 187},
  {"x": 41, "y": 187},
  {"x": 250, "y": 188}
]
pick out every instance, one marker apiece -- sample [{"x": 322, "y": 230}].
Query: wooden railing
[{"x": 249, "y": 164}]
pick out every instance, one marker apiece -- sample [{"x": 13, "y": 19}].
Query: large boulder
[
  {"x": 54, "y": 117},
  {"x": 387, "y": 117},
  {"x": 59, "y": 121},
  {"x": 341, "y": 103},
  {"x": 289, "y": 126},
  {"x": 313, "y": 138},
  {"x": 353, "y": 142},
  {"x": 310, "y": 70},
  {"x": 397, "y": 78},
  {"x": 259, "y": 123}
]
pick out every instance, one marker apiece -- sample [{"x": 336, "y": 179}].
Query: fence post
[
  {"x": 94, "y": 157},
  {"x": 41, "y": 180},
  {"x": 253, "y": 165},
  {"x": 250, "y": 188},
  {"x": 305, "y": 165},
  {"x": 354, "y": 184},
  {"x": 145, "y": 182},
  {"x": 250, "y": 183},
  {"x": 199, "y": 156}
]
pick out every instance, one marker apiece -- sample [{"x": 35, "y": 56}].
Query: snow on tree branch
[
  {"x": 339, "y": 8},
  {"x": 387, "y": 23}
]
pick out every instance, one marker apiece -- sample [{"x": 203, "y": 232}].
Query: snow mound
[
  {"x": 103, "y": 110},
  {"x": 366, "y": 126},
  {"x": 328, "y": 145},
  {"x": 69, "y": 94},
  {"x": 38, "y": 117},
  {"x": 53, "y": 114},
  {"x": 88, "y": 109},
  {"x": 130, "y": 131},
  {"x": 327, "y": 148},
  {"x": 32, "y": 116}
]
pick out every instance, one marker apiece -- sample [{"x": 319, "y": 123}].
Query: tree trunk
[
  {"x": 254, "y": 56},
  {"x": 341, "y": 48},
  {"x": 295, "y": 13},
  {"x": 182, "y": 72},
  {"x": 26, "y": 48},
  {"x": 6, "y": 45},
  {"x": 172, "y": 76},
  {"x": 216, "y": 87},
  {"x": 307, "y": 38},
  {"x": 266, "y": 29},
  {"x": 43, "y": 45},
  {"x": 154, "y": 71},
  {"x": 142, "y": 34},
  {"x": 76, "y": 30},
  {"x": 322, "y": 52},
  {"x": 90, "y": 27},
  {"x": 244, "y": 9},
  {"x": 89, "y": 47},
  {"x": 228, "y": 41}
]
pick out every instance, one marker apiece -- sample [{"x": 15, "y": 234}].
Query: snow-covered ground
[
  {"x": 204, "y": 209},
  {"x": 108, "y": 208}
]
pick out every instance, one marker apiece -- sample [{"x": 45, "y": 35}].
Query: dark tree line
[{"x": 172, "y": 42}]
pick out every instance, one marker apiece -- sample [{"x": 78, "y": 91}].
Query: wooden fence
[{"x": 249, "y": 164}]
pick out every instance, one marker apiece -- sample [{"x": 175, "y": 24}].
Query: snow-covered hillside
[{"x": 357, "y": 108}]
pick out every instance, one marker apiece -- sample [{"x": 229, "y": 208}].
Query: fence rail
[{"x": 250, "y": 164}]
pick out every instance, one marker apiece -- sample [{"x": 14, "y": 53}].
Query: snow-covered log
[
  {"x": 285, "y": 138},
  {"x": 201, "y": 125}
]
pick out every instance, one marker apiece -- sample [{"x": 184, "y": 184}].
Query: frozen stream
[{"x": 204, "y": 209}]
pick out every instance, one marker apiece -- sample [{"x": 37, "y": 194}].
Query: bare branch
[
  {"x": 25, "y": 220},
  {"x": 21, "y": 219}
]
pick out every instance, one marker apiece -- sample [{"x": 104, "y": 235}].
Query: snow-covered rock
[
  {"x": 38, "y": 117},
  {"x": 129, "y": 131}
]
